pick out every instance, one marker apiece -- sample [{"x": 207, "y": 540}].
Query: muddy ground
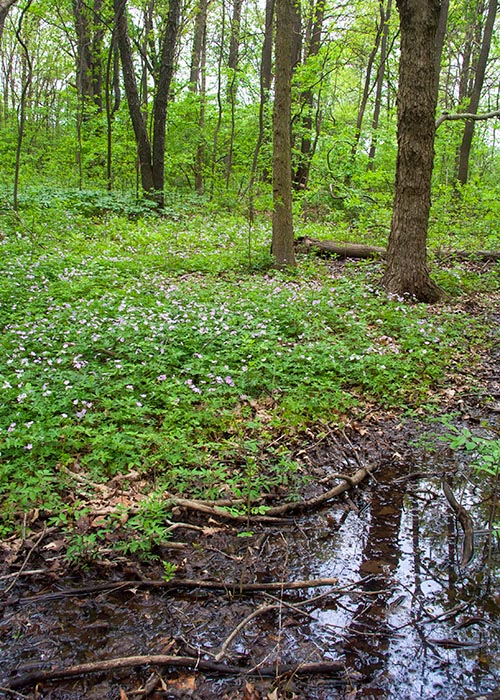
[{"x": 388, "y": 606}]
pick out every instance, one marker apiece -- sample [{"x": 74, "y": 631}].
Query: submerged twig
[
  {"x": 465, "y": 521},
  {"x": 323, "y": 667},
  {"x": 227, "y": 586}
]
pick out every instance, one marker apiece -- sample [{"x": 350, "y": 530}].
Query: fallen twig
[
  {"x": 261, "y": 610},
  {"x": 221, "y": 511},
  {"x": 57, "y": 672},
  {"x": 313, "y": 503},
  {"x": 25, "y": 562},
  {"x": 13, "y": 693},
  {"x": 272, "y": 513},
  {"x": 229, "y": 586}
]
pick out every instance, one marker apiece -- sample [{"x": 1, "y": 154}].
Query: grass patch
[{"x": 169, "y": 348}]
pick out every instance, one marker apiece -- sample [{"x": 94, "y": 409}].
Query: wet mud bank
[{"x": 387, "y": 610}]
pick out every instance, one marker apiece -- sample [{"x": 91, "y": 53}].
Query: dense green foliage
[
  {"x": 166, "y": 347},
  {"x": 170, "y": 348}
]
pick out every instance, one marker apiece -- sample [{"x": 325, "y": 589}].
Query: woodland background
[{"x": 206, "y": 68}]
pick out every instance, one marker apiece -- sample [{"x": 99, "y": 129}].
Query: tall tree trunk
[
  {"x": 220, "y": 109},
  {"x": 282, "y": 240},
  {"x": 406, "y": 271},
  {"x": 265, "y": 77},
  {"x": 440, "y": 35},
  {"x": 162, "y": 97},
  {"x": 232, "y": 86},
  {"x": 27, "y": 76},
  {"x": 385, "y": 14},
  {"x": 197, "y": 85},
  {"x": 133, "y": 99},
  {"x": 301, "y": 175},
  {"x": 200, "y": 29},
  {"x": 112, "y": 103},
  {"x": 364, "y": 100},
  {"x": 465, "y": 146},
  {"x": 89, "y": 35}
]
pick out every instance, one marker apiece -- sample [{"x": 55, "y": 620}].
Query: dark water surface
[{"x": 406, "y": 620}]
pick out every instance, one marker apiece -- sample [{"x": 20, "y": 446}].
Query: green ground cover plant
[{"x": 165, "y": 348}]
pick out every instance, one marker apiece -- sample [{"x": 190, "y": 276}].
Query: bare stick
[
  {"x": 261, "y": 610},
  {"x": 313, "y": 503},
  {"x": 25, "y": 562},
  {"x": 229, "y": 586},
  {"x": 323, "y": 667},
  {"x": 13, "y": 693}
]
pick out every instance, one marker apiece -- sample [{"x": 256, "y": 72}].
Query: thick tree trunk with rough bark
[
  {"x": 406, "y": 271},
  {"x": 133, "y": 99},
  {"x": 282, "y": 240}
]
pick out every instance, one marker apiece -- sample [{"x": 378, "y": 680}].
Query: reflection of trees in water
[{"x": 367, "y": 639}]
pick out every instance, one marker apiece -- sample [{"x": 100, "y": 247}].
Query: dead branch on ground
[
  {"x": 60, "y": 672},
  {"x": 360, "y": 251}
]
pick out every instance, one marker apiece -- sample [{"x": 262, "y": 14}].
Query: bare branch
[{"x": 466, "y": 116}]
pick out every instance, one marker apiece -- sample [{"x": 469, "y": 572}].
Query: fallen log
[
  {"x": 339, "y": 250},
  {"x": 361, "y": 251},
  {"x": 58, "y": 672}
]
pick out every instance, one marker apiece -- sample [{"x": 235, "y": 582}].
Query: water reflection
[
  {"x": 367, "y": 639},
  {"x": 406, "y": 633}
]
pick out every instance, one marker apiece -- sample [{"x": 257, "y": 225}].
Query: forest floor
[{"x": 367, "y": 592}]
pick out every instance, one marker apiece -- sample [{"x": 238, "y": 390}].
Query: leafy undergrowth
[{"x": 168, "y": 354}]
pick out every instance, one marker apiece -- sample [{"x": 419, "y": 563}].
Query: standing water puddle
[{"x": 405, "y": 620}]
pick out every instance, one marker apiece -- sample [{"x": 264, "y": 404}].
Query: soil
[{"x": 401, "y": 616}]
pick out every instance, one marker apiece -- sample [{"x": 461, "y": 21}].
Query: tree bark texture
[
  {"x": 163, "y": 95},
  {"x": 197, "y": 85},
  {"x": 89, "y": 34},
  {"x": 133, "y": 99},
  {"x": 406, "y": 270},
  {"x": 282, "y": 239}
]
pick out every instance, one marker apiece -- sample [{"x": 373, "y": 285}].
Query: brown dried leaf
[{"x": 250, "y": 692}]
